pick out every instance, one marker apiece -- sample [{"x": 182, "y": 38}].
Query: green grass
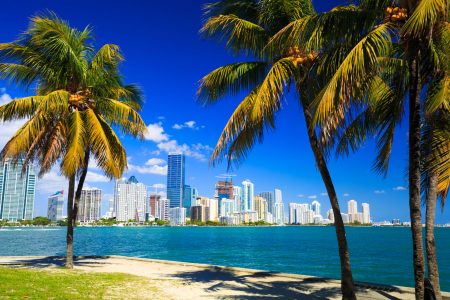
[{"x": 58, "y": 283}]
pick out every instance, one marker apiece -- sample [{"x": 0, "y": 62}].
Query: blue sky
[{"x": 167, "y": 58}]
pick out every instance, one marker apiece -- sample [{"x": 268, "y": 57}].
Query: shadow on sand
[{"x": 54, "y": 261}]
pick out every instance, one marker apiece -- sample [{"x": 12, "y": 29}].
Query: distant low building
[{"x": 55, "y": 211}]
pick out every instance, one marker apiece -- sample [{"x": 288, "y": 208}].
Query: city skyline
[{"x": 194, "y": 130}]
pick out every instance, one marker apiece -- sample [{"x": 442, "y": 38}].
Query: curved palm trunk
[
  {"x": 81, "y": 184},
  {"x": 414, "y": 171},
  {"x": 433, "y": 272},
  {"x": 347, "y": 285},
  {"x": 70, "y": 222}
]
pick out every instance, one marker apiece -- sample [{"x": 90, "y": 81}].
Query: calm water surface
[{"x": 380, "y": 255}]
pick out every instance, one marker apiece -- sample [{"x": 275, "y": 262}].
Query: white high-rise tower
[
  {"x": 278, "y": 209},
  {"x": 247, "y": 195},
  {"x": 366, "y": 213}
]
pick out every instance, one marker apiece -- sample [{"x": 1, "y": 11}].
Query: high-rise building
[
  {"x": 187, "y": 198},
  {"x": 212, "y": 213},
  {"x": 300, "y": 213},
  {"x": 352, "y": 207},
  {"x": 56, "y": 206},
  {"x": 17, "y": 190},
  {"x": 365, "y": 213},
  {"x": 154, "y": 205},
  {"x": 223, "y": 190},
  {"x": 130, "y": 200},
  {"x": 175, "y": 179},
  {"x": 226, "y": 207},
  {"x": 315, "y": 207},
  {"x": 261, "y": 207},
  {"x": 90, "y": 205},
  {"x": 198, "y": 213},
  {"x": 278, "y": 208},
  {"x": 345, "y": 218},
  {"x": 163, "y": 209},
  {"x": 110, "y": 213},
  {"x": 269, "y": 198},
  {"x": 177, "y": 216},
  {"x": 330, "y": 215},
  {"x": 237, "y": 196},
  {"x": 247, "y": 195}
]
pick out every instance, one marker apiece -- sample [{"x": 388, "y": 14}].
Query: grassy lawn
[{"x": 21, "y": 283}]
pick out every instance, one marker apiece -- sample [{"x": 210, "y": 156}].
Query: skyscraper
[
  {"x": 187, "y": 199},
  {"x": 56, "y": 206},
  {"x": 177, "y": 216},
  {"x": 226, "y": 207},
  {"x": 365, "y": 213},
  {"x": 278, "y": 208},
  {"x": 154, "y": 205},
  {"x": 130, "y": 198},
  {"x": 237, "y": 197},
  {"x": 224, "y": 190},
  {"x": 247, "y": 196},
  {"x": 352, "y": 207},
  {"x": 17, "y": 190},
  {"x": 175, "y": 179},
  {"x": 315, "y": 207},
  {"x": 261, "y": 207},
  {"x": 163, "y": 209},
  {"x": 269, "y": 198},
  {"x": 330, "y": 215},
  {"x": 90, "y": 205}
]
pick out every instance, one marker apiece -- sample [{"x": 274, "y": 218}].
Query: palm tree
[
  {"x": 79, "y": 96},
  {"x": 376, "y": 38},
  {"x": 247, "y": 27}
]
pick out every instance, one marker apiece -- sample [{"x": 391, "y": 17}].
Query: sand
[{"x": 178, "y": 280}]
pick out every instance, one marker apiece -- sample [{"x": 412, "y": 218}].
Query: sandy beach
[{"x": 178, "y": 280}]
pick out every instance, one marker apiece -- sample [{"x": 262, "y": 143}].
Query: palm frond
[
  {"x": 424, "y": 16},
  {"x": 230, "y": 80}
]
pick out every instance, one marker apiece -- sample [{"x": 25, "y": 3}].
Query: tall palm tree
[
  {"x": 79, "y": 97},
  {"x": 386, "y": 36},
  {"x": 247, "y": 27}
]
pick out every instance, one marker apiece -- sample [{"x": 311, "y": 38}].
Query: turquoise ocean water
[{"x": 381, "y": 255}]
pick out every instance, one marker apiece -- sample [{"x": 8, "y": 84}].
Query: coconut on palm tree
[
  {"x": 248, "y": 32},
  {"x": 80, "y": 97}
]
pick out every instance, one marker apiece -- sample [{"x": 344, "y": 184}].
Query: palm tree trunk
[
  {"x": 80, "y": 184},
  {"x": 347, "y": 285},
  {"x": 433, "y": 272},
  {"x": 70, "y": 223},
  {"x": 414, "y": 171}
]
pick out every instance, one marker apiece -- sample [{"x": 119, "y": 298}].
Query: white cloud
[
  {"x": 378, "y": 192},
  {"x": 95, "y": 177},
  {"x": 4, "y": 97},
  {"x": 172, "y": 146},
  {"x": 324, "y": 194},
  {"x": 51, "y": 182},
  {"x": 399, "y": 188},
  {"x": 300, "y": 195},
  {"x": 188, "y": 124},
  {"x": 312, "y": 197},
  {"x": 155, "y": 133},
  {"x": 345, "y": 194},
  {"x": 155, "y": 166},
  {"x": 155, "y": 161}
]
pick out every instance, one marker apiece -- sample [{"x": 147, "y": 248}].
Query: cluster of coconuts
[
  {"x": 80, "y": 100},
  {"x": 394, "y": 14},
  {"x": 299, "y": 57}
]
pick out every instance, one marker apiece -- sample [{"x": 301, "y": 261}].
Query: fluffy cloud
[
  {"x": 300, "y": 195},
  {"x": 155, "y": 161},
  {"x": 155, "y": 166},
  {"x": 345, "y": 194},
  {"x": 379, "y": 192},
  {"x": 172, "y": 146},
  {"x": 188, "y": 124},
  {"x": 158, "y": 186},
  {"x": 51, "y": 182},
  {"x": 155, "y": 133},
  {"x": 312, "y": 197},
  {"x": 324, "y": 194},
  {"x": 399, "y": 188},
  {"x": 4, "y": 97},
  {"x": 95, "y": 177}
]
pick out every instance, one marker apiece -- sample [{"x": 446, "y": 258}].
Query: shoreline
[{"x": 184, "y": 280}]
